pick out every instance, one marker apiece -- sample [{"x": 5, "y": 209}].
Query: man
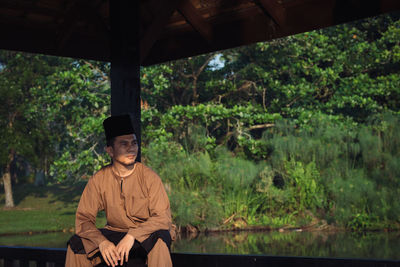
[{"x": 136, "y": 207}]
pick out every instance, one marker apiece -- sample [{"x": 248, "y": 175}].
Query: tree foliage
[{"x": 64, "y": 104}]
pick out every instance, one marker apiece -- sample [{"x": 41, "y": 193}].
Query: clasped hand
[{"x": 112, "y": 254}]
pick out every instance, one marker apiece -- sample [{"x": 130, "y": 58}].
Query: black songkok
[{"x": 118, "y": 125}]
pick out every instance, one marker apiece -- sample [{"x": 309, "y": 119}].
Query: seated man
[{"x": 135, "y": 203}]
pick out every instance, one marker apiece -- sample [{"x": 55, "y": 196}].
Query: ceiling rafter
[
  {"x": 227, "y": 33},
  {"x": 194, "y": 18},
  {"x": 153, "y": 31},
  {"x": 275, "y": 10},
  {"x": 75, "y": 13},
  {"x": 97, "y": 20},
  {"x": 169, "y": 31},
  {"x": 66, "y": 28}
]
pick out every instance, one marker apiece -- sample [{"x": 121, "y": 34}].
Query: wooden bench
[{"x": 54, "y": 257}]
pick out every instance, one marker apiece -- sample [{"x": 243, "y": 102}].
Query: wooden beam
[
  {"x": 153, "y": 31},
  {"x": 194, "y": 18},
  {"x": 42, "y": 41},
  {"x": 125, "y": 61},
  {"x": 275, "y": 10},
  {"x": 57, "y": 256}
]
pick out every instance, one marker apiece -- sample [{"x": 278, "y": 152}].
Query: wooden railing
[
  {"x": 47, "y": 257},
  {"x": 40, "y": 257}
]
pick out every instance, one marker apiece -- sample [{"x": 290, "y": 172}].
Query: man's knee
[
  {"x": 160, "y": 245},
  {"x": 76, "y": 260},
  {"x": 159, "y": 256}
]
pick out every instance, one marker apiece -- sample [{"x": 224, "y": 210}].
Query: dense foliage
[{"x": 298, "y": 131}]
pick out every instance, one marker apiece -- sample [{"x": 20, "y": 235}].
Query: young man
[{"x": 135, "y": 203}]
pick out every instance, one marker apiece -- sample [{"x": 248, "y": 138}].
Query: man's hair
[{"x": 110, "y": 142}]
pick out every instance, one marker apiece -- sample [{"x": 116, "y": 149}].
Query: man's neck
[{"x": 122, "y": 170}]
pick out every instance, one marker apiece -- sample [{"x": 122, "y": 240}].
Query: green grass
[{"x": 42, "y": 209}]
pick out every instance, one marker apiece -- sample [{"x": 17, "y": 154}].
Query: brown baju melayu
[{"x": 136, "y": 204}]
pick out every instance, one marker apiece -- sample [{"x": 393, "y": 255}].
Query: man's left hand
[{"x": 124, "y": 246}]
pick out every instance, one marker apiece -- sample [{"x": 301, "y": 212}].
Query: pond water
[{"x": 375, "y": 245}]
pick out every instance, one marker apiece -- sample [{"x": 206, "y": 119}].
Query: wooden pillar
[{"x": 125, "y": 61}]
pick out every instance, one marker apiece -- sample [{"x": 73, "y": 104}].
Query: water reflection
[
  {"x": 379, "y": 245},
  {"x": 48, "y": 240}
]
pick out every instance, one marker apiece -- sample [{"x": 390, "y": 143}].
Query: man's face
[{"x": 124, "y": 150}]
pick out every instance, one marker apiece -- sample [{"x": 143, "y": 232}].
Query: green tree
[
  {"x": 22, "y": 135},
  {"x": 350, "y": 69},
  {"x": 73, "y": 103},
  {"x": 180, "y": 82}
]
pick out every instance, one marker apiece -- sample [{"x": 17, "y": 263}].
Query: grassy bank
[{"x": 52, "y": 208}]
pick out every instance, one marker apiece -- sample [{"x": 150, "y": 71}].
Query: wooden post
[{"x": 125, "y": 61}]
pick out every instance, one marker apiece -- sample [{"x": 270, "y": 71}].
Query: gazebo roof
[{"x": 170, "y": 29}]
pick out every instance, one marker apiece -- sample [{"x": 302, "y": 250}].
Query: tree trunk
[
  {"x": 195, "y": 95},
  {"x": 7, "y": 182}
]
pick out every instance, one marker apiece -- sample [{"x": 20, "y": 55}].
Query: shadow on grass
[{"x": 65, "y": 193}]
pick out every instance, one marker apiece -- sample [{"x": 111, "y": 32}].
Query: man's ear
[{"x": 110, "y": 151}]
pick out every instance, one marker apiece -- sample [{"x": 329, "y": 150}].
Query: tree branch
[{"x": 261, "y": 126}]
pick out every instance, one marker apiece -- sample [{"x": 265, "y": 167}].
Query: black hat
[{"x": 118, "y": 125}]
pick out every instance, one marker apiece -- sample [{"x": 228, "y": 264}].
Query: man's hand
[
  {"x": 124, "y": 246},
  {"x": 109, "y": 253}
]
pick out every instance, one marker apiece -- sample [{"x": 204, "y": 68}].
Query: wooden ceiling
[{"x": 170, "y": 29}]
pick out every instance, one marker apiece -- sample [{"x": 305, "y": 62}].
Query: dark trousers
[{"x": 138, "y": 253}]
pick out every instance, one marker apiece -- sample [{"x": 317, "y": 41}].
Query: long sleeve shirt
[{"x": 137, "y": 204}]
